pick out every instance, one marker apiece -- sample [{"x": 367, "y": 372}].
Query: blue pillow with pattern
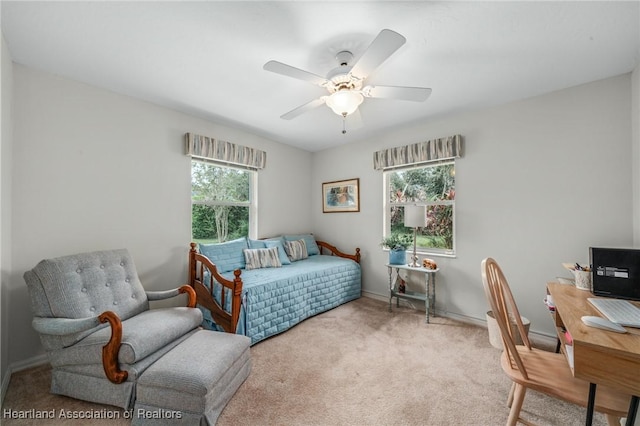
[
  {"x": 309, "y": 240},
  {"x": 297, "y": 250},
  {"x": 262, "y": 258}
]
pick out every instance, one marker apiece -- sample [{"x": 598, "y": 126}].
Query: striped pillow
[
  {"x": 296, "y": 250},
  {"x": 262, "y": 258}
]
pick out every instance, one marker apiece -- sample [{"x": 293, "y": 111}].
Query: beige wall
[
  {"x": 635, "y": 123},
  {"x": 100, "y": 170},
  {"x": 541, "y": 180},
  {"x": 6, "y": 142}
]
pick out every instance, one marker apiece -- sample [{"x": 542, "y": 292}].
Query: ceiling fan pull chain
[{"x": 344, "y": 123}]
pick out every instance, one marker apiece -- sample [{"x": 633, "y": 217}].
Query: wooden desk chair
[{"x": 531, "y": 368}]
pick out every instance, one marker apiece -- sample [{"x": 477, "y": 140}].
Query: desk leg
[
  {"x": 633, "y": 410},
  {"x": 591, "y": 403}
]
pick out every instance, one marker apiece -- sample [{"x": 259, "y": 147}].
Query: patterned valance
[
  {"x": 421, "y": 152},
  {"x": 224, "y": 152}
]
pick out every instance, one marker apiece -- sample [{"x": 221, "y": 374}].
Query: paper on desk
[{"x": 568, "y": 350}]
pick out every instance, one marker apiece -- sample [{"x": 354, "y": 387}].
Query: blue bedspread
[{"x": 276, "y": 299}]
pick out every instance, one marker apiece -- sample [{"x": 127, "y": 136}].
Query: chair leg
[
  {"x": 612, "y": 420},
  {"x": 518, "y": 399},
  {"x": 510, "y": 398}
]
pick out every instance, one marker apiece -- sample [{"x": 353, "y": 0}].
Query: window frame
[
  {"x": 387, "y": 204},
  {"x": 252, "y": 203}
]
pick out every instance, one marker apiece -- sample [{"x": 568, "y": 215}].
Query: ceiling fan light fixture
[
  {"x": 344, "y": 102},
  {"x": 346, "y": 82}
]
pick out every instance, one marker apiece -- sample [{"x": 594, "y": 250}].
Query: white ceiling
[{"x": 206, "y": 58}]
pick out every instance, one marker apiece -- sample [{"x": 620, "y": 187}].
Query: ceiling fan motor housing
[
  {"x": 340, "y": 78},
  {"x": 344, "y": 58}
]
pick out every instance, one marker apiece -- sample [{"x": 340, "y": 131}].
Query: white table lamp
[{"x": 415, "y": 217}]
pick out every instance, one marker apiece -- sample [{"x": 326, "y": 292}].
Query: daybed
[{"x": 259, "y": 288}]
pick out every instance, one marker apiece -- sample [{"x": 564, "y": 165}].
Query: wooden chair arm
[
  {"x": 191, "y": 293},
  {"x": 111, "y": 349},
  {"x": 334, "y": 251}
]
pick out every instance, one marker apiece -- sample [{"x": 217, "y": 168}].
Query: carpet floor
[{"x": 357, "y": 364}]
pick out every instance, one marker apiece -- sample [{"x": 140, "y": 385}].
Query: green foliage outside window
[
  {"x": 203, "y": 225},
  {"x": 220, "y": 202},
  {"x": 433, "y": 186}
]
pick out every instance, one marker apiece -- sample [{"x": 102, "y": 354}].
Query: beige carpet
[{"x": 357, "y": 364}]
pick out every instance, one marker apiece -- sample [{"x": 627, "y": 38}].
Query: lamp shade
[
  {"x": 415, "y": 216},
  {"x": 344, "y": 102}
]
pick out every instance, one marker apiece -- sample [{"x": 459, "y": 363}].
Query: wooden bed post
[
  {"x": 192, "y": 264},
  {"x": 237, "y": 298},
  {"x": 203, "y": 277}
]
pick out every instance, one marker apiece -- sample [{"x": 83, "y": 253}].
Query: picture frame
[{"x": 341, "y": 196}]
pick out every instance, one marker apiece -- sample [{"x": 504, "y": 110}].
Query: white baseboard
[
  {"x": 19, "y": 366},
  {"x": 534, "y": 335},
  {"x": 375, "y": 296}
]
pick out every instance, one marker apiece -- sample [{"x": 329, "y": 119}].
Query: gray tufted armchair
[{"x": 95, "y": 323}]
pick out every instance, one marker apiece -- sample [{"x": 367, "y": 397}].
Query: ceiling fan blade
[
  {"x": 289, "y": 71},
  {"x": 304, "y": 108},
  {"x": 416, "y": 94},
  {"x": 383, "y": 46}
]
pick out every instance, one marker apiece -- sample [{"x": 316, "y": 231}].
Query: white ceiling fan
[{"x": 345, "y": 83}]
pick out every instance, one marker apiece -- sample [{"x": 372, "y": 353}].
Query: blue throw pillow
[
  {"x": 256, "y": 244},
  {"x": 227, "y": 256},
  {"x": 284, "y": 259},
  {"x": 309, "y": 240}
]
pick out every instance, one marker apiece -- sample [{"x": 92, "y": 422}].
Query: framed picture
[{"x": 341, "y": 196}]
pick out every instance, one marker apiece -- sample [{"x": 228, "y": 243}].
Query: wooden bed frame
[{"x": 199, "y": 265}]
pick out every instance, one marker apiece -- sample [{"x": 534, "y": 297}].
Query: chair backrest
[
  {"x": 505, "y": 311},
  {"x": 86, "y": 285}
]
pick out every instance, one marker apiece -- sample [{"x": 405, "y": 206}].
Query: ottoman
[{"x": 192, "y": 383}]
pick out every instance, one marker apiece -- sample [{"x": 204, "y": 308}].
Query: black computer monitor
[{"x": 616, "y": 272}]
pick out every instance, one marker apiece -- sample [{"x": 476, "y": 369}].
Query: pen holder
[{"x": 583, "y": 279}]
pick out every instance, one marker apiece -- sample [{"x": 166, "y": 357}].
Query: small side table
[{"x": 429, "y": 296}]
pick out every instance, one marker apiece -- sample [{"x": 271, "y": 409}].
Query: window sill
[
  {"x": 431, "y": 254},
  {"x": 428, "y": 253}
]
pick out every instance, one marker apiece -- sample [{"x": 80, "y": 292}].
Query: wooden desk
[{"x": 599, "y": 356}]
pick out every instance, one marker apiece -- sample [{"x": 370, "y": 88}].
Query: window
[
  {"x": 432, "y": 186},
  {"x": 222, "y": 202}
]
